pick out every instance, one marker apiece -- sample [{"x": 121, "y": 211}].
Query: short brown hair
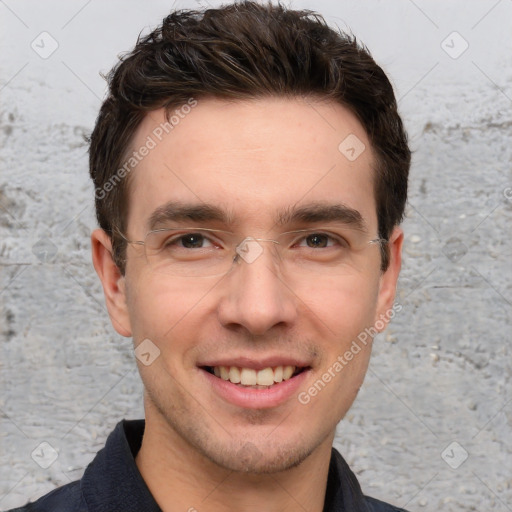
[{"x": 241, "y": 51}]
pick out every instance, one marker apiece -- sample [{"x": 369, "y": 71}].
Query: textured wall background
[{"x": 442, "y": 372}]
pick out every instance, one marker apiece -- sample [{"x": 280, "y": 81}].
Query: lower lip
[{"x": 251, "y": 398}]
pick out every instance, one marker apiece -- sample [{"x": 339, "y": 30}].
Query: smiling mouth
[{"x": 255, "y": 379}]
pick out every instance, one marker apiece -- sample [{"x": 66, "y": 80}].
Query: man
[{"x": 250, "y": 170}]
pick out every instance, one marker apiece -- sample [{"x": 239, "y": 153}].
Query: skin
[{"x": 250, "y": 158}]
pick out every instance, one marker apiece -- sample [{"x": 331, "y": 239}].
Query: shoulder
[
  {"x": 379, "y": 506},
  {"x": 344, "y": 491},
  {"x": 63, "y": 499}
]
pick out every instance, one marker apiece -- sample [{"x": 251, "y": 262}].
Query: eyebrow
[
  {"x": 175, "y": 211},
  {"x": 323, "y": 212}
]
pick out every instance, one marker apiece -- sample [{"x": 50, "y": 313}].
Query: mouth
[{"x": 265, "y": 378}]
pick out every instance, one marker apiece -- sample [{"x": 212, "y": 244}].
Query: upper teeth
[{"x": 250, "y": 377}]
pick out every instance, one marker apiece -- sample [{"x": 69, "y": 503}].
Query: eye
[
  {"x": 321, "y": 241},
  {"x": 188, "y": 241},
  {"x": 193, "y": 240},
  {"x": 317, "y": 240}
]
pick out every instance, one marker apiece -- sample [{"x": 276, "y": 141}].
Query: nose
[{"x": 256, "y": 297}]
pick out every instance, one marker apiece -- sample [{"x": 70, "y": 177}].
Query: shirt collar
[
  {"x": 343, "y": 491},
  {"x": 113, "y": 482}
]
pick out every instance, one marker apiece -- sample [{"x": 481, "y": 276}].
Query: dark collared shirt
[{"x": 112, "y": 483}]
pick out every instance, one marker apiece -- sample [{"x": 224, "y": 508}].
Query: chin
[
  {"x": 249, "y": 459},
  {"x": 250, "y": 447}
]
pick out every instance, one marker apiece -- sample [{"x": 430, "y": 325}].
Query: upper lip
[{"x": 257, "y": 364}]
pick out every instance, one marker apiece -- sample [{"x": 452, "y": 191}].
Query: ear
[
  {"x": 388, "y": 280},
  {"x": 112, "y": 280}
]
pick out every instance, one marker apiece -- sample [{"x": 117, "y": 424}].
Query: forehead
[{"x": 251, "y": 158}]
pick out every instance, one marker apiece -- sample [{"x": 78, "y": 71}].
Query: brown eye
[
  {"x": 317, "y": 240},
  {"x": 192, "y": 240}
]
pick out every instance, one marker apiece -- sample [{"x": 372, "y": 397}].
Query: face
[{"x": 257, "y": 169}]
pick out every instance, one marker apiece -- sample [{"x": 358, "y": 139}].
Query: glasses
[{"x": 204, "y": 252}]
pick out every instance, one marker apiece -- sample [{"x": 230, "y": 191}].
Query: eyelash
[{"x": 332, "y": 238}]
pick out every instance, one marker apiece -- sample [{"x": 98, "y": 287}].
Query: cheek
[
  {"x": 173, "y": 314},
  {"x": 156, "y": 306},
  {"x": 341, "y": 315},
  {"x": 343, "y": 307}
]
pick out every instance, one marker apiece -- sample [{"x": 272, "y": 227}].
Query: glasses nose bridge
[{"x": 251, "y": 248}]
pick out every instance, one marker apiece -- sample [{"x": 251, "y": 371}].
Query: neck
[{"x": 181, "y": 478}]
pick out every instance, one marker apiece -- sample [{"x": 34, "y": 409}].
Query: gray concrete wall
[{"x": 439, "y": 386}]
